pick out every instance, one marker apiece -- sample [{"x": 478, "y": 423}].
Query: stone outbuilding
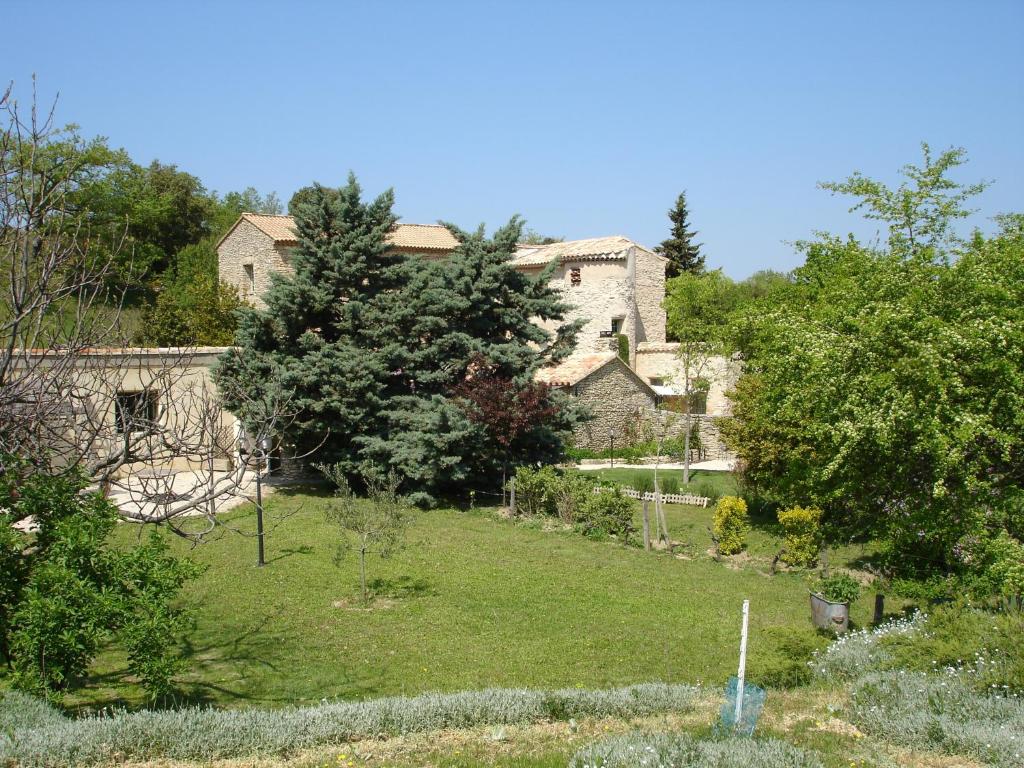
[{"x": 619, "y": 401}]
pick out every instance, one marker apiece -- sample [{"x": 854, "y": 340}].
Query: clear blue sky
[{"x": 586, "y": 117}]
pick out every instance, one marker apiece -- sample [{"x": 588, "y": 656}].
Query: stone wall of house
[
  {"x": 712, "y": 445},
  {"x": 650, "y": 293},
  {"x": 247, "y": 245},
  {"x": 605, "y": 293},
  {"x": 659, "y": 363},
  {"x": 616, "y": 400}
]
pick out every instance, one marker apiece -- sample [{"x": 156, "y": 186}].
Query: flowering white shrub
[
  {"x": 860, "y": 652},
  {"x": 209, "y": 734},
  {"x": 641, "y": 750},
  {"x": 941, "y": 712}
]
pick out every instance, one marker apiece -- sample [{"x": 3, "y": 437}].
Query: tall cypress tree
[{"x": 682, "y": 252}]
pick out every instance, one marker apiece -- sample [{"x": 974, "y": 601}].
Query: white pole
[{"x": 743, "y": 663}]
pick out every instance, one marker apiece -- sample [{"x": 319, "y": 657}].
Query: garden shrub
[
  {"x": 669, "y": 484},
  {"x": 67, "y": 589},
  {"x": 642, "y": 481},
  {"x": 999, "y": 571},
  {"x": 20, "y": 710},
  {"x": 571, "y": 491},
  {"x": 607, "y": 514},
  {"x": 708, "y": 489},
  {"x": 838, "y": 588},
  {"x": 783, "y": 660},
  {"x": 730, "y": 524},
  {"x": 940, "y": 712},
  {"x": 626, "y": 452},
  {"x": 623, "y": 343},
  {"x": 861, "y": 651},
  {"x": 536, "y": 491},
  {"x": 668, "y": 750},
  {"x": 802, "y": 529},
  {"x": 205, "y": 735}
]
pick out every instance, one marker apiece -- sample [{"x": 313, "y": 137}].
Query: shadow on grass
[
  {"x": 403, "y": 587},
  {"x": 305, "y": 549},
  {"x": 210, "y": 661}
]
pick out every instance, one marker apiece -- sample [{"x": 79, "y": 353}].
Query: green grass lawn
[
  {"x": 723, "y": 482},
  {"x": 472, "y": 601}
]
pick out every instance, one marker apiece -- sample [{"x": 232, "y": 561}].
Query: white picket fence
[{"x": 666, "y": 498}]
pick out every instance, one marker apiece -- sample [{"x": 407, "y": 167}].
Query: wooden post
[
  {"x": 879, "y": 608},
  {"x": 659, "y": 510},
  {"x": 743, "y": 664},
  {"x": 512, "y": 495},
  {"x": 647, "y": 525}
]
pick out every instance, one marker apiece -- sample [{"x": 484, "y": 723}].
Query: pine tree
[
  {"x": 317, "y": 336},
  {"x": 371, "y": 346},
  {"x": 455, "y": 318},
  {"x": 682, "y": 252}
]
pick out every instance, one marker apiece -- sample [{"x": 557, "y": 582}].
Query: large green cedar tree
[{"x": 370, "y": 345}]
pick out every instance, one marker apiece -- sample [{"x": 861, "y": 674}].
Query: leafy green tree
[
  {"x": 888, "y": 389},
  {"x": 233, "y": 204},
  {"x": 682, "y": 252},
  {"x": 192, "y": 307},
  {"x": 922, "y": 210},
  {"x": 66, "y": 589},
  {"x": 697, "y": 308}
]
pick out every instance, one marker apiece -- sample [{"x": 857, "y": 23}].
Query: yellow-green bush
[
  {"x": 730, "y": 524},
  {"x": 802, "y": 527}
]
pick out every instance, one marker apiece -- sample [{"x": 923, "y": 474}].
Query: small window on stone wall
[
  {"x": 250, "y": 279},
  {"x": 574, "y": 276}
]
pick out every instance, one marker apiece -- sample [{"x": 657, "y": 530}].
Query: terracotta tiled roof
[
  {"x": 608, "y": 248},
  {"x": 575, "y": 369},
  {"x": 280, "y": 228},
  {"x": 426, "y": 237}
]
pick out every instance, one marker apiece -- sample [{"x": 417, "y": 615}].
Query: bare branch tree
[{"x": 74, "y": 394}]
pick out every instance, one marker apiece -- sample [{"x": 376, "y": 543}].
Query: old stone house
[{"x": 614, "y": 284}]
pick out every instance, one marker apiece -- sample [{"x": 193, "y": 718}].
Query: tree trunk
[
  {"x": 647, "y": 525},
  {"x": 660, "y": 508},
  {"x": 686, "y": 448},
  {"x": 362, "y": 572}
]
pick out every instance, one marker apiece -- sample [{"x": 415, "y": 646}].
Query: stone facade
[
  {"x": 660, "y": 366},
  {"x": 246, "y": 258},
  {"x": 649, "y": 291},
  {"x": 613, "y": 293},
  {"x": 617, "y": 400}
]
